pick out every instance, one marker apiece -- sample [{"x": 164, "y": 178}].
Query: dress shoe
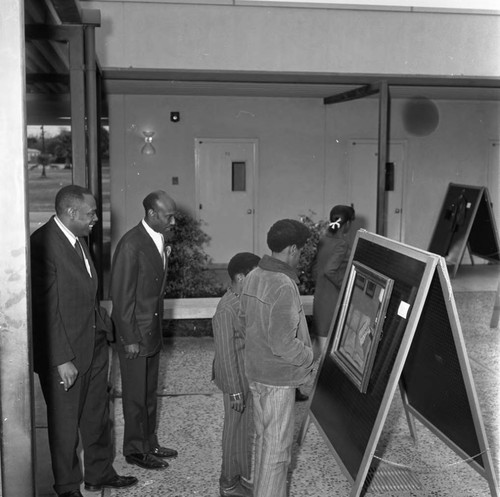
[
  {"x": 71, "y": 493},
  {"x": 146, "y": 461},
  {"x": 299, "y": 396},
  {"x": 236, "y": 490},
  {"x": 116, "y": 482},
  {"x": 163, "y": 452}
]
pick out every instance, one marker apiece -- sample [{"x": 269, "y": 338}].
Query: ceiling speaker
[{"x": 420, "y": 116}]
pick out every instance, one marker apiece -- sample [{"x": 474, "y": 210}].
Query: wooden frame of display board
[
  {"x": 466, "y": 221},
  {"x": 421, "y": 350}
]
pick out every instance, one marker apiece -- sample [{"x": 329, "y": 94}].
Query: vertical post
[
  {"x": 77, "y": 92},
  {"x": 17, "y": 443},
  {"x": 383, "y": 127},
  {"x": 93, "y": 124}
]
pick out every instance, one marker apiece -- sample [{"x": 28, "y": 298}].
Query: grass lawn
[{"x": 42, "y": 191}]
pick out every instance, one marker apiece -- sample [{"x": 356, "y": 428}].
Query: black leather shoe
[
  {"x": 116, "y": 482},
  {"x": 299, "y": 396},
  {"x": 146, "y": 461},
  {"x": 71, "y": 493},
  {"x": 163, "y": 452}
]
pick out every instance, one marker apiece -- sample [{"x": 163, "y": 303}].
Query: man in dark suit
[
  {"x": 70, "y": 333},
  {"x": 138, "y": 278}
]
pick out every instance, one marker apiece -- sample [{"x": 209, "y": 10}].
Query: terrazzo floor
[{"x": 191, "y": 422}]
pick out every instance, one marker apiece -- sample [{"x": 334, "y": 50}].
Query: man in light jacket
[{"x": 278, "y": 353}]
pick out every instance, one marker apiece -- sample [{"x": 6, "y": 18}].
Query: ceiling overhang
[
  {"x": 47, "y": 73},
  {"x": 290, "y": 85}
]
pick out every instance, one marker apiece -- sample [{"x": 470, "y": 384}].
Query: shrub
[
  {"x": 306, "y": 284},
  {"x": 189, "y": 274}
]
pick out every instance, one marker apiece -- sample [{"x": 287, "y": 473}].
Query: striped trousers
[
  {"x": 236, "y": 432},
  {"x": 274, "y": 424}
]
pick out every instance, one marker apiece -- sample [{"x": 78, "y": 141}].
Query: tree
[
  {"x": 189, "y": 274},
  {"x": 306, "y": 280}
]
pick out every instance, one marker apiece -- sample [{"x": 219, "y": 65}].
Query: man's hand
[
  {"x": 131, "y": 351},
  {"x": 237, "y": 401},
  {"x": 68, "y": 374}
]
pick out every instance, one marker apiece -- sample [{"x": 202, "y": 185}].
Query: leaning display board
[
  {"x": 396, "y": 325},
  {"x": 466, "y": 221}
]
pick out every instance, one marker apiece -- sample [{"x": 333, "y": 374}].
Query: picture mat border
[{"x": 360, "y": 378}]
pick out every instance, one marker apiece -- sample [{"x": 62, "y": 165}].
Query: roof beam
[
  {"x": 361, "y": 92},
  {"x": 68, "y": 11},
  {"x": 115, "y": 73}
]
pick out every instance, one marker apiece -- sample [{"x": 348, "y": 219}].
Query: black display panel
[
  {"x": 420, "y": 349},
  {"x": 346, "y": 415},
  {"x": 433, "y": 379},
  {"x": 483, "y": 238},
  {"x": 466, "y": 220}
]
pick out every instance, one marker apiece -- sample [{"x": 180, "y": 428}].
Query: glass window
[{"x": 239, "y": 176}]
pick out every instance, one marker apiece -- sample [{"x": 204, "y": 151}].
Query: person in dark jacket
[
  {"x": 329, "y": 269},
  {"x": 138, "y": 278},
  {"x": 70, "y": 333}
]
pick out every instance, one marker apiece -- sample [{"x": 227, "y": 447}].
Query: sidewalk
[
  {"x": 191, "y": 413},
  {"x": 190, "y": 420}
]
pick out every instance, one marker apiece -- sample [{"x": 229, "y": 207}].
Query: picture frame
[{"x": 360, "y": 324}]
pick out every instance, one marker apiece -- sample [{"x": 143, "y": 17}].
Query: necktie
[
  {"x": 162, "y": 251},
  {"x": 79, "y": 250}
]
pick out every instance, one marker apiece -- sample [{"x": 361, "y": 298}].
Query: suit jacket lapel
[
  {"x": 150, "y": 249},
  {"x": 73, "y": 254}
]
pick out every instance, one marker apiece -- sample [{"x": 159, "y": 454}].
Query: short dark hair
[
  {"x": 242, "y": 263},
  {"x": 68, "y": 196},
  {"x": 285, "y": 233},
  {"x": 151, "y": 199}
]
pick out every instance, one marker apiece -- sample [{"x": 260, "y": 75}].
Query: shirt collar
[
  {"x": 157, "y": 237},
  {"x": 67, "y": 233},
  {"x": 269, "y": 263}
]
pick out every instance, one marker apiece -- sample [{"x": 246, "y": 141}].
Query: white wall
[
  {"x": 291, "y": 162},
  {"x": 457, "y": 152},
  {"x": 303, "y": 153},
  {"x": 250, "y": 38},
  {"x": 302, "y": 143}
]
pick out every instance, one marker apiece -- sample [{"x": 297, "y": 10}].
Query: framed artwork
[{"x": 360, "y": 323}]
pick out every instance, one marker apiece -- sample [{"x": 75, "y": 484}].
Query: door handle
[
  {"x": 397, "y": 211},
  {"x": 249, "y": 211}
]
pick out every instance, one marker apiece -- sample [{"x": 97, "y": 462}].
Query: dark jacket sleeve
[
  {"x": 123, "y": 294},
  {"x": 50, "y": 340},
  {"x": 336, "y": 264}
]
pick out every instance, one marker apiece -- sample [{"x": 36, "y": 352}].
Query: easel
[
  {"x": 421, "y": 350},
  {"x": 466, "y": 221}
]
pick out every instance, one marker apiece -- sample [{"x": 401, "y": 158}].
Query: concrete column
[
  {"x": 383, "y": 141},
  {"x": 16, "y": 389}
]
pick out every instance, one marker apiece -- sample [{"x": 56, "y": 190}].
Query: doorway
[
  {"x": 362, "y": 163},
  {"x": 226, "y": 175}
]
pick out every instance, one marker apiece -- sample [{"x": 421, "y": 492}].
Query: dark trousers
[
  {"x": 85, "y": 408},
  {"x": 139, "y": 399}
]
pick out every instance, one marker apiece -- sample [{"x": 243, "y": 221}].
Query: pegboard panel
[
  {"x": 345, "y": 415},
  {"x": 483, "y": 238},
  {"x": 433, "y": 377}
]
